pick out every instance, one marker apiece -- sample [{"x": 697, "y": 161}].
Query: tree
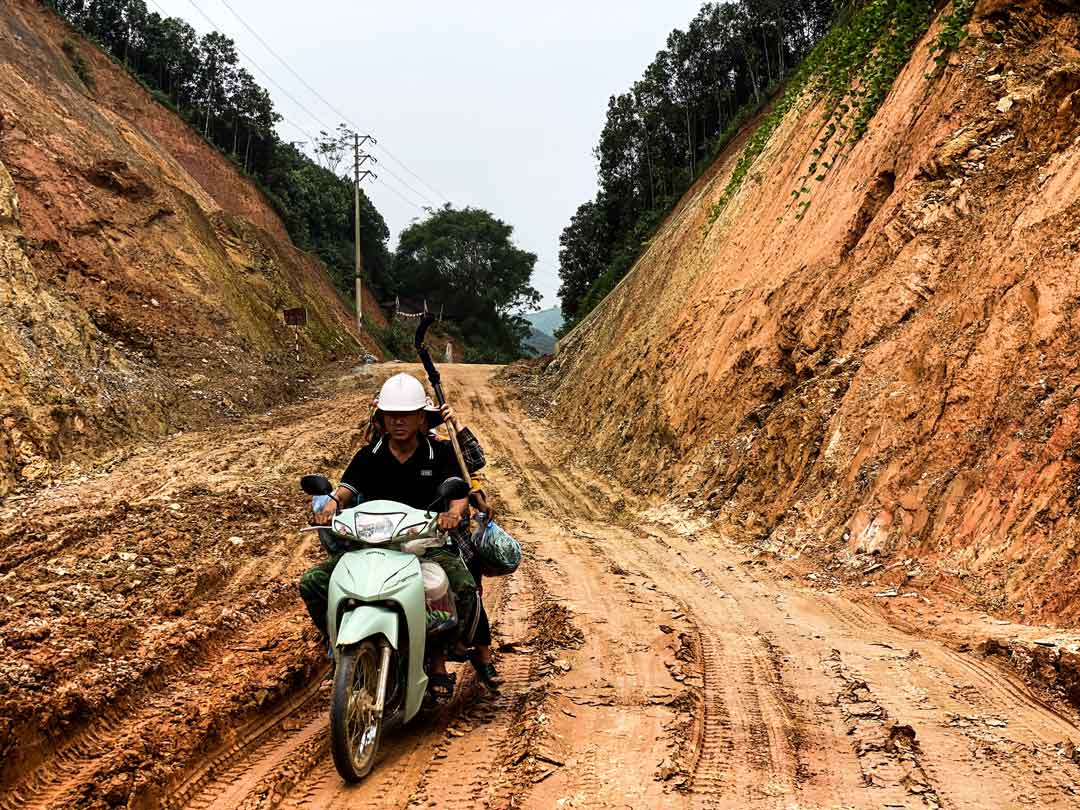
[
  {"x": 217, "y": 75},
  {"x": 659, "y": 136},
  {"x": 582, "y": 257},
  {"x": 467, "y": 261},
  {"x": 201, "y": 78},
  {"x": 330, "y": 150}
]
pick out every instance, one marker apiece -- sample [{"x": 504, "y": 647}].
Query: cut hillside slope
[
  {"x": 895, "y": 373},
  {"x": 142, "y": 278}
]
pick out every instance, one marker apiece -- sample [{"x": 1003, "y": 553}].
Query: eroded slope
[
  {"x": 893, "y": 373},
  {"x": 141, "y": 277}
]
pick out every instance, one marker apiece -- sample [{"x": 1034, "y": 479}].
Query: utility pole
[{"x": 359, "y": 158}]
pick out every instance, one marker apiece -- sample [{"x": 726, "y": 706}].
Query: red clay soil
[
  {"x": 893, "y": 375},
  {"x": 156, "y": 653},
  {"x": 144, "y": 277}
]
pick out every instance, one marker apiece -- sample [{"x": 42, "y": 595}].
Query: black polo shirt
[{"x": 374, "y": 474}]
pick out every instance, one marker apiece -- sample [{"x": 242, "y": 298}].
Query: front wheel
[{"x": 355, "y": 727}]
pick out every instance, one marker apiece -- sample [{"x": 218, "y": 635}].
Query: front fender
[{"x": 366, "y": 621}]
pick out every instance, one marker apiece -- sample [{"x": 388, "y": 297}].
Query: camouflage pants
[{"x": 315, "y": 587}]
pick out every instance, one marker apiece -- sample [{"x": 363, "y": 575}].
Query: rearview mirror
[
  {"x": 454, "y": 489},
  {"x": 316, "y": 485}
]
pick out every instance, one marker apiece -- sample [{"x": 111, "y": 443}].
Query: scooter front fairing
[{"x": 377, "y": 592}]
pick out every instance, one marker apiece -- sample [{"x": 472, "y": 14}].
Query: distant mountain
[
  {"x": 540, "y": 342},
  {"x": 548, "y": 321}
]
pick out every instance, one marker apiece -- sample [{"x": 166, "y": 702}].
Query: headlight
[{"x": 374, "y": 528}]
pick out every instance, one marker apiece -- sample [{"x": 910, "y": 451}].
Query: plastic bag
[
  {"x": 421, "y": 545},
  {"x": 441, "y": 610},
  {"x": 497, "y": 553}
]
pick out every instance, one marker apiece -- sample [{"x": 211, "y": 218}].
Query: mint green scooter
[{"x": 378, "y": 620}]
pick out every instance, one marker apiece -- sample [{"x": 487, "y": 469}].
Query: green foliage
[
  {"x": 953, "y": 30},
  {"x": 317, "y": 208},
  {"x": 199, "y": 78},
  {"x": 662, "y": 134},
  {"x": 396, "y": 339},
  {"x": 78, "y": 64},
  {"x": 466, "y": 260}
]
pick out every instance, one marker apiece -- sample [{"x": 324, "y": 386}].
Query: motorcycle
[{"x": 379, "y": 619}]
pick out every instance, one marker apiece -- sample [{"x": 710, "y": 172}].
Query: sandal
[
  {"x": 441, "y": 685},
  {"x": 488, "y": 675}
]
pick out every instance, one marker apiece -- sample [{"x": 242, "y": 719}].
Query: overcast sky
[{"x": 496, "y": 105}]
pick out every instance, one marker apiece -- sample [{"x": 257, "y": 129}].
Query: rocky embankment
[
  {"x": 142, "y": 277},
  {"x": 892, "y": 374}
]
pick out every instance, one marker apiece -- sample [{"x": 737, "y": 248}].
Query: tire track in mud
[
  {"x": 206, "y": 787},
  {"x": 290, "y": 768},
  {"x": 57, "y": 778},
  {"x": 464, "y": 761},
  {"x": 913, "y": 682},
  {"x": 965, "y": 712},
  {"x": 755, "y": 739},
  {"x": 309, "y": 779},
  {"x": 888, "y": 752},
  {"x": 749, "y": 736},
  {"x": 714, "y": 743},
  {"x": 746, "y": 714},
  {"x": 580, "y": 513},
  {"x": 450, "y": 752},
  {"x": 992, "y": 718}
]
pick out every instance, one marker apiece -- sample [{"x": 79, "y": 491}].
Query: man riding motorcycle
[
  {"x": 472, "y": 455},
  {"x": 402, "y": 465}
]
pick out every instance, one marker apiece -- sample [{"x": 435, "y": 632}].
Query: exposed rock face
[
  {"x": 142, "y": 278},
  {"x": 896, "y": 372}
]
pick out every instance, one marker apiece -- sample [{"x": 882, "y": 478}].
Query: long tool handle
[
  {"x": 436, "y": 382},
  {"x": 457, "y": 452}
]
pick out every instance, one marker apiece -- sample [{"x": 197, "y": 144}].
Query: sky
[{"x": 495, "y": 105}]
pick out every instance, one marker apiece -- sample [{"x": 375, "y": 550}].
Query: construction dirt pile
[
  {"x": 892, "y": 375},
  {"x": 142, "y": 278}
]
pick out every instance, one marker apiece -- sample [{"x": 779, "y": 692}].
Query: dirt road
[{"x": 155, "y": 652}]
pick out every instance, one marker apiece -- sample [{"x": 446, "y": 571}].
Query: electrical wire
[
  {"x": 399, "y": 194},
  {"x": 301, "y": 105},
  {"x": 338, "y": 112}
]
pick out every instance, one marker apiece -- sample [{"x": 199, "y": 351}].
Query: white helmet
[{"x": 402, "y": 393}]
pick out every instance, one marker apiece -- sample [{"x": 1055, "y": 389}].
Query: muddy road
[{"x": 155, "y": 653}]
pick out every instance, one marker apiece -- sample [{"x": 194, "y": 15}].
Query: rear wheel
[{"x": 355, "y": 728}]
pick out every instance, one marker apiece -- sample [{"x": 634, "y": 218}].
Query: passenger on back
[
  {"x": 482, "y": 658},
  {"x": 403, "y": 465}
]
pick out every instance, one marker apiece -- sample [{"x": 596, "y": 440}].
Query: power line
[
  {"x": 301, "y": 105},
  {"x": 399, "y": 194},
  {"x": 336, "y": 111},
  {"x": 414, "y": 174},
  {"x": 256, "y": 65}
]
